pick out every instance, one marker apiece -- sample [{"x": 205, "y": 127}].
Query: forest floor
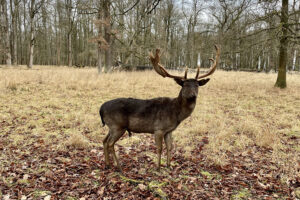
[{"x": 241, "y": 142}]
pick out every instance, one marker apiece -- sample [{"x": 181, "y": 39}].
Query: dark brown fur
[{"x": 159, "y": 116}]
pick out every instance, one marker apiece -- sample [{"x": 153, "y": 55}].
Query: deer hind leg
[
  {"x": 115, "y": 136},
  {"x": 169, "y": 145},
  {"x": 158, "y": 142},
  {"x": 105, "y": 149}
]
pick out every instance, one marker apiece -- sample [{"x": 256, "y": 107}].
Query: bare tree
[
  {"x": 101, "y": 32},
  {"x": 107, "y": 33},
  {"x": 33, "y": 10},
  {"x": 14, "y": 9},
  {"x": 5, "y": 24},
  {"x": 70, "y": 29},
  {"x": 281, "y": 76}
]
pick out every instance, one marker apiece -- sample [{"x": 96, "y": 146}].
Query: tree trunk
[
  {"x": 281, "y": 76},
  {"x": 31, "y": 46},
  {"x": 99, "y": 60},
  {"x": 69, "y": 49},
  {"x": 6, "y": 33},
  {"x": 31, "y": 42},
  {"x": 107, "y": 34},
  {"x": 13, "y": 11},
  {"x": 294, "y": 60},
  {"x": 69, "y": 10},
  {"x": 57, "y": 18},
  {"x": 25, "y": 36}
]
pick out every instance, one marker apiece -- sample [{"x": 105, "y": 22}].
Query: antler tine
[
  {"x": 198, "y": 71},
  {"x": 214, "y": 65},
  {"x": 155, "y": 63},
  {"x": 159, "y": 68},
  {"x": 185, "y": 72}
]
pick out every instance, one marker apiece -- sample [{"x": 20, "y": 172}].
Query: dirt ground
[{"x": 241, "y": 142}]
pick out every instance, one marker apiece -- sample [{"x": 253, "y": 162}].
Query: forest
[
  {"x": 236, "y": 137},
  {"x": 108, "y": 33}
]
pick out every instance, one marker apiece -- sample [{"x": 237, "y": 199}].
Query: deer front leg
[
  {"x": 158, "y": 142},
  {"x": 169, "y": 145}
]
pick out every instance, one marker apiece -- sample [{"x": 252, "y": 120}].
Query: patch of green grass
[
  {"x": 210, "y": 175},
  {"x": 71, "y": 198},
  {"x": 96, "y": 173},
  {"x": 23, "y": 182},
  {"x": 96, "y": 183},
  {"x": 294, "y": 133},
  {"x": 297, "y": 148},
  {"x": 207, "y": 174},
  {"x": 8, "y": 181},
  {"x": 241, "y": 194},
  {"x": 156, "y": 186},
  {"x": 40, "y": 193},
  {"x": 125, "y": 179}
]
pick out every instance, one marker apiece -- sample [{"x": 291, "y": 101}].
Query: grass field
[{"x": 241, "y": 142}]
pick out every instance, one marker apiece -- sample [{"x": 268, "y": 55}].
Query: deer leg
[
  {"x": 158, "y": 142},
  {"x": 168, "y": 142},
  {"x": 111, "y": 145},
  {"x": 105, "y": 149}
]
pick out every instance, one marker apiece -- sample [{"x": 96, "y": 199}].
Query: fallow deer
[{"x": 159, "y": 116}]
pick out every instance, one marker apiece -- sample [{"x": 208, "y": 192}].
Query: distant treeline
[{"x": 103, "y": 32}]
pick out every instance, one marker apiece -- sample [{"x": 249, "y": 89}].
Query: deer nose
[{"x": 193, "y": 94}]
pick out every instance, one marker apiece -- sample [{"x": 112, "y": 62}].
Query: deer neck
[{"x": 185, "y": 106}]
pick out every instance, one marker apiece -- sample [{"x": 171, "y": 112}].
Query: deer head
[{"x": 189, "y": 89}]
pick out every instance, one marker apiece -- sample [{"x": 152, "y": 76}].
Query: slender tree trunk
[
  {"x": 281, "y": 76},
  {"x": 69, "y": 34},
  {"x": 25, "y": 37},
  {"x": 58, "y": 33},
  {"x": 69, "y": 49},
  {"x": 13, "y": 11},
  {"x": 6, "y": 32},
  {"x": 31, "y": 47},
  {"x": 31, "y": 42},
  {"x": 107, "y": 34},
  {"x": 294, "y": 59},
  {"x": 99, "y": 60}
]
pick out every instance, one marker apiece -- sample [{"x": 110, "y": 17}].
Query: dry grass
[{"x": 238, "y": 111}]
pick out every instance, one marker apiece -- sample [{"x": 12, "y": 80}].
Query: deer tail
[{"x": 101, "y": 116}]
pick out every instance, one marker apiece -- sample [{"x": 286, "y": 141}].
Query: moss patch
[
  {"x": 242, "y": 194},
  {"x": 156, "y": 186}
]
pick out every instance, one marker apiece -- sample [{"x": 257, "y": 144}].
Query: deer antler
[
  {"x": 213, "y": 66},
  {"x": 160, "y": 69}
]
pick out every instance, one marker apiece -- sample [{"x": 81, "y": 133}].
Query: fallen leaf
[
  {"x": 142, "y": 187},
  {"x": 26, "y": 176},
  {"x": 48, "y": 197},
  {"x": 6, "y": 197}
]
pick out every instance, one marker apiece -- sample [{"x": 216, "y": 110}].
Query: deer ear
[
  {"x": 179, "y": 81},
  {"x": 203, "y": 81}
]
